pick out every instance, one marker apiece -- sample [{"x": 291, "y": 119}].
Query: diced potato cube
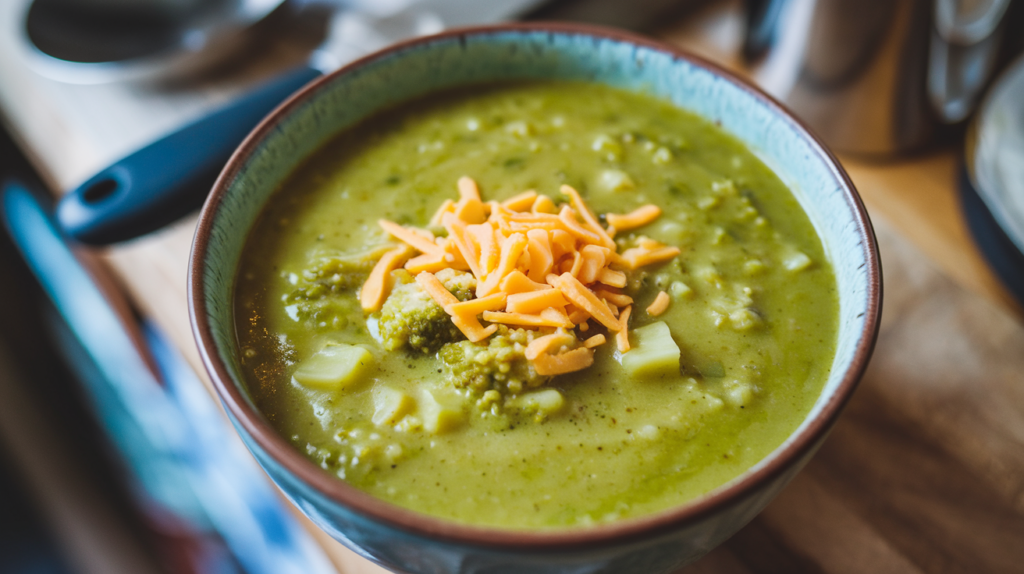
[
  {"x": 680, "y": 289},
  {"x": 604, "y": 144},
  {"x": 543, "y": 403},
  {"x": 738, "y": 393},
  {"x": 334, "y": 367},
  {"x": 724, "y": 188},
  {"x": 753, "y": 266},
  {"x": 441, "y": 413},
  {"x": 796, "y": 261},
  {"x": 708, "y": 202},
  {"x": 649, "y": 432},
  {"x": 390, "y": 405},
  {"x": 615, "y": 180},
  {"x": 654, "y": 354},
  {"x": 662, "y": 156},
  {"x": 744, "y": 319},
  {"x": 519, "y": 129}
]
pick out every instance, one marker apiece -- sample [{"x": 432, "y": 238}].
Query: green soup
[{"x": 753, "y": 311}]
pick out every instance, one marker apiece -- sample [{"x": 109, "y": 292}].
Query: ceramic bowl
[{"x": 407, "y": 541}]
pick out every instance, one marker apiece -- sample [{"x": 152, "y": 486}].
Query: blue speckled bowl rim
[{"x": 430, "y": 527}]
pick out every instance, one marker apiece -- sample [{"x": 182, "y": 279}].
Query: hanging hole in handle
[{"x": 101, "y": 190}]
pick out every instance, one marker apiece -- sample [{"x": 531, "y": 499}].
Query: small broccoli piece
[
  {"x": 499, "y": 364},
  {"x": 330, "y": 274},
  {"x": 411, "y": 318},
  {"x": 459, "y": 283},
  {"x": 324, "y": 292}
]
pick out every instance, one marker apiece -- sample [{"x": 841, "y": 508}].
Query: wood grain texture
[{"x": 924, "y": 471}]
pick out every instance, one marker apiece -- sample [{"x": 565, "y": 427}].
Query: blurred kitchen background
[{"x": 880, "y": 80}]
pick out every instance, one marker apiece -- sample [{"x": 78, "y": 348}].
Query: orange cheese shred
[
  {"x": 521, "y": 202},
  {"x": 535, "y": 301},
  {"x": 437, "y": 291},
  {"x": 537, "y": 266},
  {"x": 660, "y": 304},
  {"x": 511, "y": 249},
  {"x": 612, "y": 278},
  {"x": 585, "y": 299},
  {"x": 428, "y": 262},
  {"x": 468, "y": 188},
  {"x": 541, "y": 257},
  {"x": 638, "y": 257},
  {"x": 476, "y": 306},
  {"x": 526, "y": 320},
  {"x": 544, "y": 204},
  {"x": 414, "y": 239},
  {"x": 545, "y": 343},
  {"x": 447, "y": 207},
  {"x": 568, "y": 362},
  {"x": 457, "y": 233},
  {"x": 593, "y": 263},
  {"x": 371, "y": 296},
  {"x": 636, "y": 218},
  {"x": 622, "y": 336},
  {"x": 572, "y": 226},
  {"x": 517, "y": 282},
  {"x": 617, "y": 299},
  {"x": 588, "y": 216},
  {"x": 468, "y": 324}
]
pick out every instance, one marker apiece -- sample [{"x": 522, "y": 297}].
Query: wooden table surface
[{"x": 923, "y": 473}]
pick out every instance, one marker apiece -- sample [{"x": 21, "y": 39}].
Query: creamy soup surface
[{"x": 397, "y": 402}]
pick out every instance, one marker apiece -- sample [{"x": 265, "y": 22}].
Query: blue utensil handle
[{"x": 170, "y": 177}]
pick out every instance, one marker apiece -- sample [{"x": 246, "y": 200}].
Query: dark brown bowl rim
[{"x": 439, "y": 529}]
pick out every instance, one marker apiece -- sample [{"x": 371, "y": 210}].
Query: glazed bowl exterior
[{"x": 407, "y": 541}]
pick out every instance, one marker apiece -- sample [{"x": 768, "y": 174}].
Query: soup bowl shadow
[{"x": 406, "y": 541}]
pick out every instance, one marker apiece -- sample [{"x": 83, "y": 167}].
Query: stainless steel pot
[{"x": 876, "y": 76}]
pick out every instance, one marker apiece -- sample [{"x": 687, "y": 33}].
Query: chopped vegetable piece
[
  {"x": 440, "y": 411},
  {"x": 542, "y": 404},
  {"x": 499, "y": 364},
  {"x": 334, "y": 367},
  {"x": 411, "y": 319},
  {"x": 654, "y": 354},
  {"x": 390, "y": 405}
]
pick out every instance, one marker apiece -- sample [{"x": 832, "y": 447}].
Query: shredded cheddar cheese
[
  {"x": 637, "y": 218},
  {"x": 541, "y": 266},
  {"x": 372, "y": 295},
  {"x": 660, "y": 304}
]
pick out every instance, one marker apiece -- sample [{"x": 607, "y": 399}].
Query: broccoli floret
[
  {"x": 411, "y": 318},
  {"x": 460, "y": 284},
  {"x": 498, "y": 364},
  {"x": 329, "y": 275},
  {"x": 324, "y": 292}
]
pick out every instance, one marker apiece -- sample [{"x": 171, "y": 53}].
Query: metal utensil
[
  {"x": 99, "y": 41},
  {"x": 170, "y": 177},
  {"x": 876, "y": 76}
]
